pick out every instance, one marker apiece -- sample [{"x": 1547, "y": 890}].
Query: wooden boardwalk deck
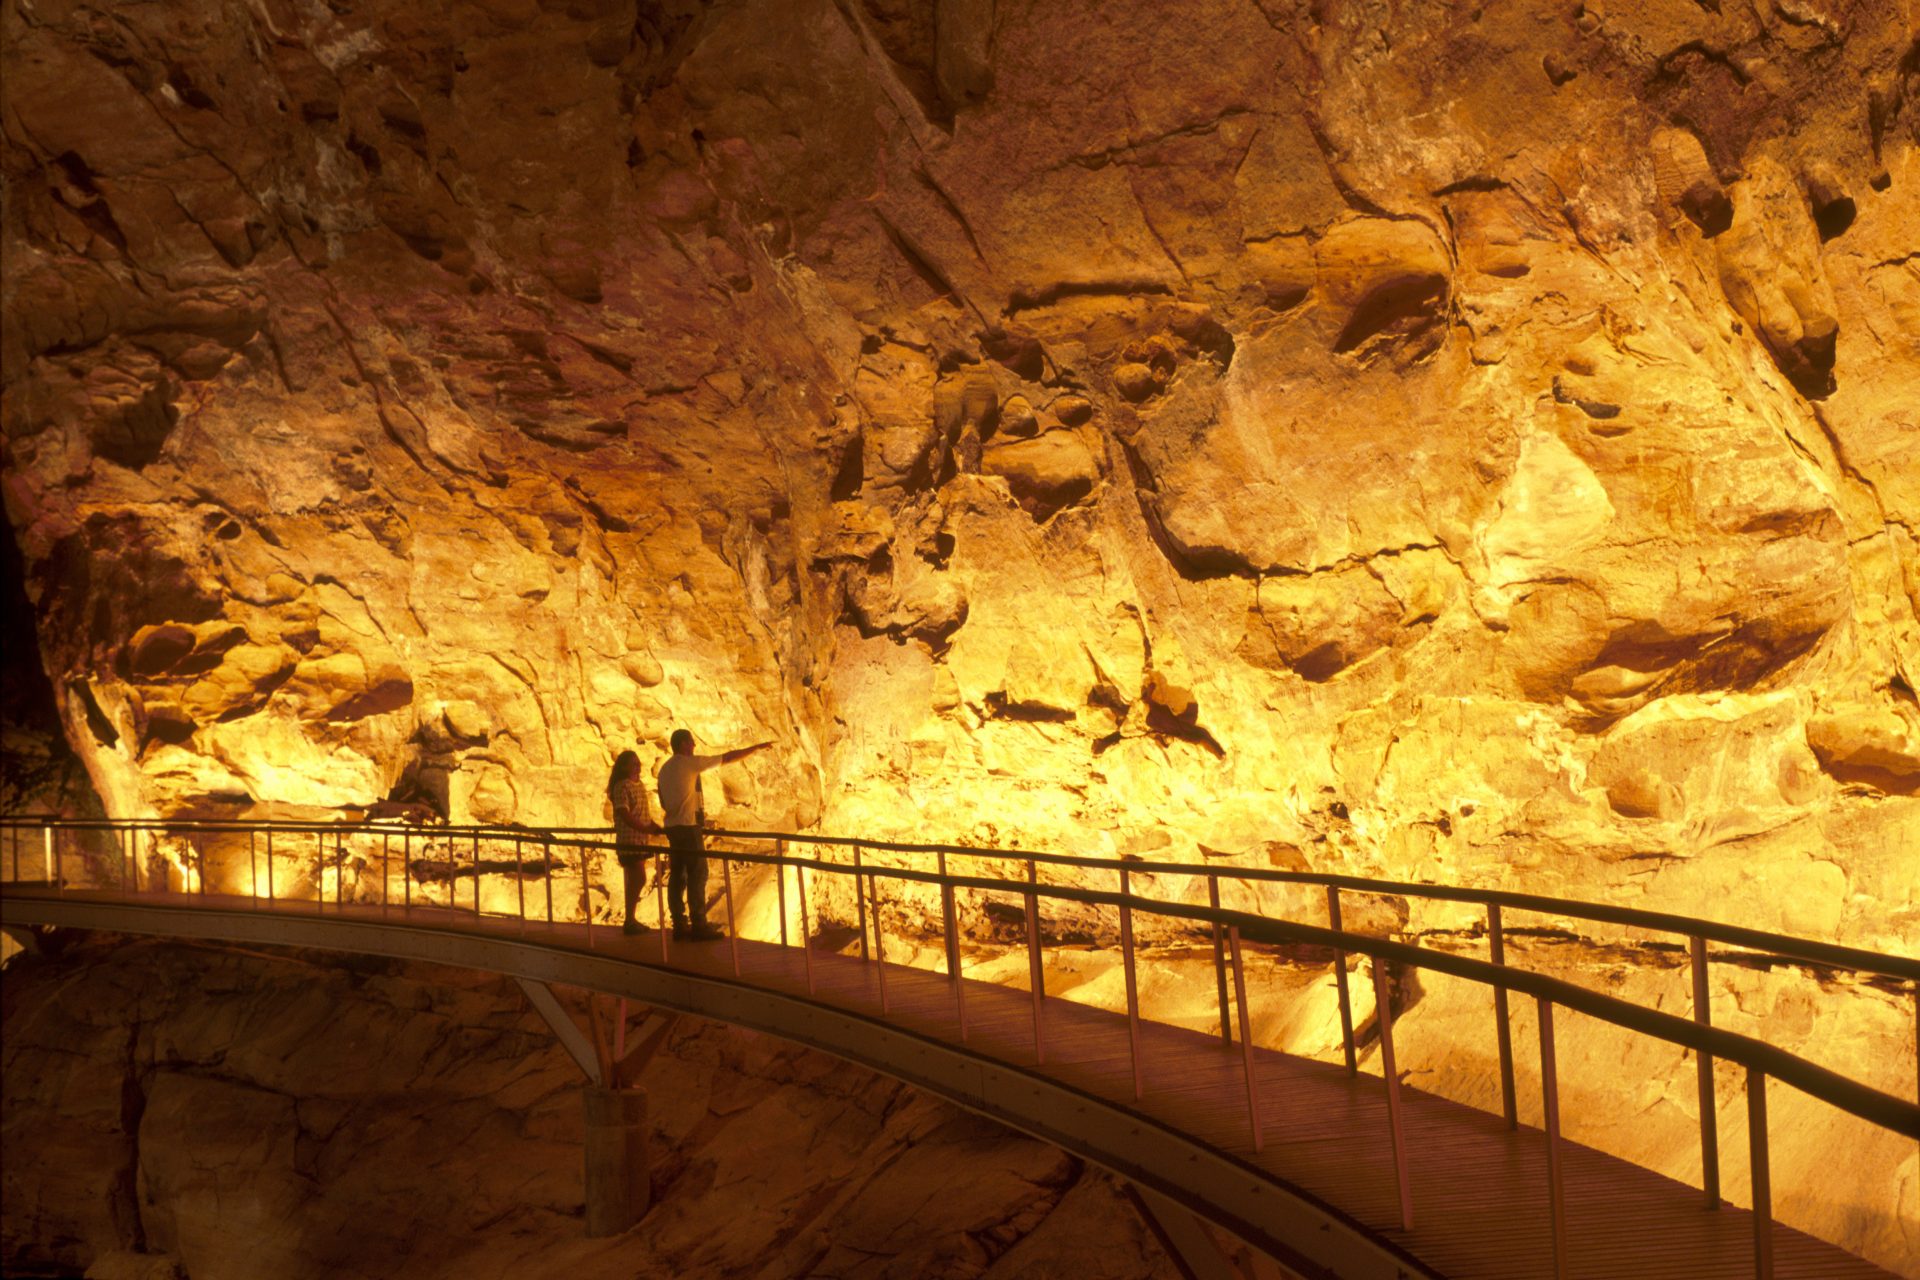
[{"x": 1479, "y": 1191}]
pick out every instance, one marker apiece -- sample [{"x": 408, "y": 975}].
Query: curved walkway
[{"x": 1323, "y": 1192}]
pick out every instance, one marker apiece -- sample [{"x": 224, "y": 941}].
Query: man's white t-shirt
[{"x": 680, "y": 788}]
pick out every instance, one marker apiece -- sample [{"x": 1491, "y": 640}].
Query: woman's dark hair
[{"x": 625, "y": 765}]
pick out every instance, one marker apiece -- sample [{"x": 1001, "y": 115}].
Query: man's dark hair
[{"x": 681, "y": 741}]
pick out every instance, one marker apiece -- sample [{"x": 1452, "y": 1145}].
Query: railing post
[
  {"x": 951, "y": 930},
  {"x": 1550, "y": 1103},
  {"x": 733, "y": 933},
  {"x": 1502, "y": 1020},
  {"x": 586, "y": 892},
  {"x": 270, "y": 895},
  {"x": 48, "y": 831},
  {"x": 1340, "y": 983},
  {"x": 1246, "y": 1037},
  {"x": 1219, "y": 960},
  {"x": 1133, "y": 990},
  {"x": 1762, "y": 1175},
  {"x": 406, "y": 875},
  {"x": 1036, "y": 977},
  {"x": 339, "y": 870},
  {"x": 386, "y": 872},
  {"x": 520, "y": 882},
  {"x": 660, "y": 912},
  {"x": 320, "y": 865},
  {"x": 546, "y": 865},
  {"x": 780, "y": 883},
  {"x": 806, "y": 927},
  {"x": 879, "y": 946},
  {"x": 253, "y": 869},
  {"x": 476, "y": 875},
  {"x": 860, "y": 902},
  {"x": 1703, "y": 1061},
  {"x": 1383, "y": 1011}
]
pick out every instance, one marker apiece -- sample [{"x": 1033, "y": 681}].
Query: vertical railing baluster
[
  {"x": 546, "y": 869},
  {"x": 253, "y": 869},
  {"x": 520, "y": 883},
  {"x": 270, "y": 893},
  {"x": 406, "y": 877},
  {"x": 1383, "y": 1014},
  {"x": 1246, "y": 1037},
  {"x": 860, "y": 901},
  {"x": 1219, "y": 960},
  {"x": 1133, "y": 989},
  {"x": 1502, "y": 1019},
  {"x": 1703, "y": 1063},
  {"x": 780, "y": 884},
  {"x": 879, "y": 946},
  {"x": 660, "y": 911},
  {"x": 586, "y": 893},
  {"x": 950, "y": 925},
  {"x": 1035, "y": 975},
  {"x": 339, "y": 870},
  {"x": 476, "y": 875},
  {"x": 48, "y": 830},
  {"x": 1340, "y": 984},
  {"x": 320, "y": 872},
  {"x": 386, "y": 872},
  {"x": 1550, "y": 1104},
  {"x": 733, "y": 932},
  {"x": 1762, "y": 1177},
  {"x": 806, "y": 926}
]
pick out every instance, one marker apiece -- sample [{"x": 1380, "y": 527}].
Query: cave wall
[{"x": 1472, "y": 442}]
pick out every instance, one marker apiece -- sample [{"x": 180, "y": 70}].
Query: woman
[{"x": 631, "y": 824}]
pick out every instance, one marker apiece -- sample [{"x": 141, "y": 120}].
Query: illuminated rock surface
[
  {"x": 1461, "y": 443},
  {"x": 245, "y": 1115}
]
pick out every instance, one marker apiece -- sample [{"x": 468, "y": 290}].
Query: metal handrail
[
  {"x": 1707, "y": 1042},
  {"x": 1783, "y": 946}
]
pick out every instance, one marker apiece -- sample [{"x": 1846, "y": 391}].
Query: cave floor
[{"x": 1479, "y": 1191}]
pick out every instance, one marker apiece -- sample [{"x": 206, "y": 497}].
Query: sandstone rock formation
[
  {"x": 1450, "y": 441},
  {"x": 213, "y": 1113}
]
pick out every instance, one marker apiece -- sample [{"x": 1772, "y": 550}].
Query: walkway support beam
[{"x": 564, "y": 1028}]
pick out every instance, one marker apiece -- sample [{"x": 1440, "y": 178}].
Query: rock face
[
  {"x": 210, "y": 1113},
  {"x": 1471, "y": 443}
]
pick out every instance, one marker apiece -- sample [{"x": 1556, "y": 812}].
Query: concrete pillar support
[{"x": 618, "y": 1187}]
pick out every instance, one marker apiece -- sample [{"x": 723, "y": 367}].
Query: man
[{"x": 683, "y": 812}]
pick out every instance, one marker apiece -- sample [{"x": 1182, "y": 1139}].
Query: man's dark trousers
[{"x": 686, "y": 876}]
